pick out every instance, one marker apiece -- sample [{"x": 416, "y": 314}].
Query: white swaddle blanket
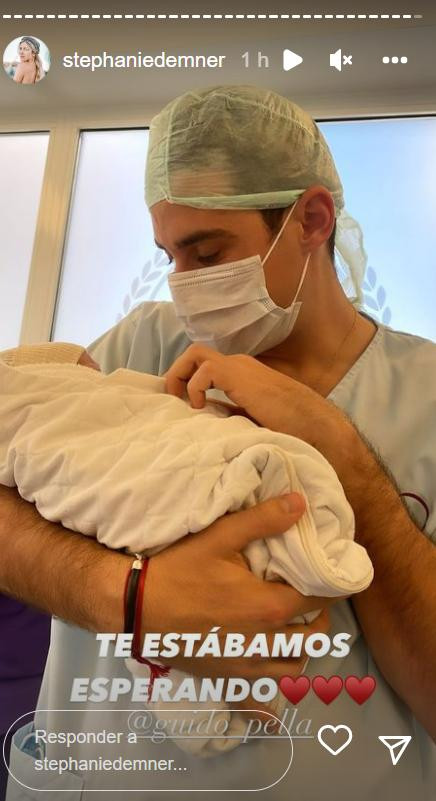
[{"x": 114, "y": 457}]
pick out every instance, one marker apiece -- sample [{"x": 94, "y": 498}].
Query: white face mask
[{"x": 228, "y": 306}]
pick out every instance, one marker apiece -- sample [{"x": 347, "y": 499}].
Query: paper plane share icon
[{"x": 396, "y": 746}]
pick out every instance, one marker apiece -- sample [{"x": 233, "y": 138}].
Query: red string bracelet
[{"x": 155, "y": 670}]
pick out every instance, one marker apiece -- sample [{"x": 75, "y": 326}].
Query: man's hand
[
  {"x": 271, "y": 399},
  {"x": 203, "y": 581},
  {"x": 87, "y": 361}
]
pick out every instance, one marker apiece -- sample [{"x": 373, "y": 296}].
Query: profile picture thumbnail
[{"x": 26, "y": 59}]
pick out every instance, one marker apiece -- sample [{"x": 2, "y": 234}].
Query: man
[{"x": 312, "y": 367}]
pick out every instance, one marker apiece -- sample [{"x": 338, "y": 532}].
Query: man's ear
[{"x": 316, "y": 214}]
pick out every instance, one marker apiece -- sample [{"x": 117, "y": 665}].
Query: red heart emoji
[
  {"x": 360, "y": 689},
  {"x": 327, "y": 689},
  {"x": 294, "y": 689}
]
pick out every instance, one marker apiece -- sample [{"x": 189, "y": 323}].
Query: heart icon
[
  {"x": 334, "y": 729},
  {"x": 360, "y": 689},
  {"x": 327, "y": 689},
  {"x": 294, "y": 689}
]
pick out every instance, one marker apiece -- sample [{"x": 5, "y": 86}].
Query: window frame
[{"x": 56, "y": 196}]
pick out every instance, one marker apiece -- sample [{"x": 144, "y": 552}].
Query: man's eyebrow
[{"x": 199, "y": 236}]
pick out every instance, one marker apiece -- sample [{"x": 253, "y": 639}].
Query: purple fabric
[{"x": 24, "y": 640}]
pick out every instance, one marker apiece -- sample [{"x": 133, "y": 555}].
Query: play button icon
[{"x": 291, "y": 60}]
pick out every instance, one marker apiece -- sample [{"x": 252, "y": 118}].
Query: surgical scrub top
[{"x": 390, "y": 394}]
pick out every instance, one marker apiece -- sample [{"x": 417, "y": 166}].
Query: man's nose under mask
[{"x": 228, "y": 306}]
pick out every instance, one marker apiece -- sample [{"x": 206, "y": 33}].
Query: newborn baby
[{"x": 117, "y": 458}]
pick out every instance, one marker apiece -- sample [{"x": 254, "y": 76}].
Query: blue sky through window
[{"x": 388, "y": 168}]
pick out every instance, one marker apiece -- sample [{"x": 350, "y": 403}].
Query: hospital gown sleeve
[
  {"x": 148, "y": 340},
  {"x": 112, "y": 349}
]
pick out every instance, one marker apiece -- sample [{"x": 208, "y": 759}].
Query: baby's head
[{"x": 48, "y": 353}]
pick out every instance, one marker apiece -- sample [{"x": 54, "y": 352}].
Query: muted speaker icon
[{"x": 337, "y": 60}]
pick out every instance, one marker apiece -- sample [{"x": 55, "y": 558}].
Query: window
[
  {"x": 111, "y": 262},
  {"x": 22, "y": 162},
  {"x": 388, "y": 168}
]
